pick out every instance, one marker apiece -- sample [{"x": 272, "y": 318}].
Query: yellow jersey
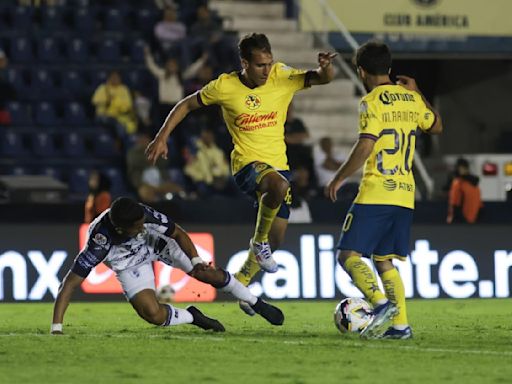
[
  {"x": 255, "y": 117},
  {"x": 390, "y": 115}
]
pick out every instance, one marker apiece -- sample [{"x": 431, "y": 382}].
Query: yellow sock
[
  {"x": 364, "y": 279},
  {"x": 395, "y": 292},
  {"x": 248, "y": 270},
  {"x": 264, "y": 221}
]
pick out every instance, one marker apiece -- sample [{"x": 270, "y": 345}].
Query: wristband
[
  {"x": 196, "y": 260},
  {"x": 56, "y": 327}
]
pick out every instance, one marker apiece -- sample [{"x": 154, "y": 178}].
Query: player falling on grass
[
  {"x": 378, "y": 223},
  {"x": 128, "y": 237},
  {"x": 254, "y": 103}
]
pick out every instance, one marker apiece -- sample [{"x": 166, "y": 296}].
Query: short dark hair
[
  {"x": 374, "y": 57},
  {"x": 125, "y": 211},
  {"x": 462, "y": 162},
  {"x": 253, "y": 41}
]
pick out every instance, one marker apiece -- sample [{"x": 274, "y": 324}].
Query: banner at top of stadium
[{"x": 422, "y": 17}]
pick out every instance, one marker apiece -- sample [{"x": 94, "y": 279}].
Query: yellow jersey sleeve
[
  {"x": 426, "y": 117},
  {"x": 210, "y": 93},
  {"x": 292, "y": 78},
  {"x": 369, "y": 125}
]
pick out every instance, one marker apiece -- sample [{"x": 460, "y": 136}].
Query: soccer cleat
[
  {"x": 204, "y": 322},
  {"x": 381, "y": 314},
  {"x": 270, "y": 313},
  {"x": 263, "y": 255},
  {"x": 246, "y": 307},
  {"x": 399, "y": 334}
]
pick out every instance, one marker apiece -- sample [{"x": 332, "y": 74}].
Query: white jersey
[{"x": 118, "y": 252}]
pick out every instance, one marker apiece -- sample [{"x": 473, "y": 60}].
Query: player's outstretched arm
[
  {"x": 66, "y": 289},
  {"x": 158, "y": 147},
  {"x": 325, "y": 71},
  {"x": 358, "y": 155},
  {"x": 410, "y": 84}
]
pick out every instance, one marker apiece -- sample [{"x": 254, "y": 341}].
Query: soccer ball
[
  {"x": 352, "y": 315},
  {"x": 165, "y": 294}
]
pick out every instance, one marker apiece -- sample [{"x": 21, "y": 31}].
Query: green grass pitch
[{"x": 456, "y": 341}]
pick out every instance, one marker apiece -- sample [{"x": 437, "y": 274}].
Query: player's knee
[{"x": 152, "y": 314}]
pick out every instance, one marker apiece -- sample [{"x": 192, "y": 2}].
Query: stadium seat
[
  {"x": 77, "y": 50},
  {"x": 48, "y": 50},
  {"x": 21, "y": 18},
  {"x": 11, "y": 144},
  {"x": 145, "y": 20},
  {"x": 21, "y": 50},
  {"x": 18, "y": 80},
  {"x": 43, "y": 145},
  {"x": 52, "y": 19},
  {"x": 45, "y": 115},
  {"x": 84, "y": 21},
  {"x": 137, "y": 51},
  {"x": 74, "y": 84},
  {"x": 73, "y": 145},
  {"x": 74, "y": 114},
  {"x": 79, "y": 181},
  {"x": 109, "y": 51},
  {"x": 20, "y": 114},
  {"x": 114, "y": 21},
  {"x": 117, "y": 184},
  {"x": 43, "y": 86},
  {"x": 19, "y": 170},
  {"x": 104, "y": 145},
  {"x": 56, "y": 173}
]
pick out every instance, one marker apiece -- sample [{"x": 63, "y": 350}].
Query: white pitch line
[{"x": 390, "y": 344}]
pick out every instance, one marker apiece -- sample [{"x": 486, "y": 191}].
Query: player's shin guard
[
  {"x": 266, "y": 216},
  {"x": 176, "y": 316},
  {"x": 364, "y": 279},
  {"x": 395, "y": 292},
  {"x": 248, "y": 270}
]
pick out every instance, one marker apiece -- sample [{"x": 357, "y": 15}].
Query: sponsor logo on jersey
[
  {"x": 425, "y": 3},
  {"x": 100, "y": 239},
  {"x": 255, "y": 121},
  {"x": 388, "y": 98},
  {"x": 389, "y": 185},
  {"x": 252, "y": 101}
]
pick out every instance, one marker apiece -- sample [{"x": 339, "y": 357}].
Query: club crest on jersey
[
  {"x": 252, "y": 101},
  {"x": 99, "y": 239}
]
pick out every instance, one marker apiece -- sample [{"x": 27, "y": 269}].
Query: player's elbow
[{"x": 437, "y": 128}]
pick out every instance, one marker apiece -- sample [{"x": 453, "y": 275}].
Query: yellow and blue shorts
[{"x": 249, "y": 178}]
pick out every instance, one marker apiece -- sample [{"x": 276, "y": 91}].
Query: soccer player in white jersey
[
  {"x": 254, "y": 103},
  {"x": 128, "y": 237},
  {"x": 378, "y": 223}
]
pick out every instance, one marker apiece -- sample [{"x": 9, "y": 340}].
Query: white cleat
[{"x": 264, "y": 256}]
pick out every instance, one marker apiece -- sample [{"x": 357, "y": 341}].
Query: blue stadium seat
[
  {"x": 21, "y": 50},
  {"x": 109, "y": 51},
  {"x": 114, "y": 21},
  {"x": 22, "y": 18},
  {"x": 79, "y": 181},
  {"x": 11, "y": 144},
  {"x": 43, "y": 86},
  {"x": 84, "y": 20},
  {"x": 137, "y": 51},
  {"x": 74, "y": 84},
  {"x": 45, "y": 115},
  {"x": 74, "y": 114},
  {"x": 145, "y": 20},
  {"x": 48, "y": 50},
  {"x": 104, "y": 145},
  {"x": 117, "y": 184},
  {"x": 73, "y": 145},
  {"x": 19, "y": 170},
  {"x": 52, "y": 19},
  {"x": 20, "y": 114},
  {"x": 77, "y": 50},
  {"x": 43, "y": 145},
  {"x": 18, "y": 80},
  {"x": 56, "y": 173}
]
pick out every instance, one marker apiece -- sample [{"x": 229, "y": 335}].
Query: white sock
[
  {"x": 177, "y": 316},
  {"x": 400, "y": 327},
  {"x": 240, "y": 291}
]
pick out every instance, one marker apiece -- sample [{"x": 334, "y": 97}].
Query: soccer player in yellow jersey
[
  {"x": 378, "y": 223},
  {"x": 254, "y": 103}
]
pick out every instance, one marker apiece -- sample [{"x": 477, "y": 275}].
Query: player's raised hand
[
  {"x": 325, "y": 58},
  {"x": 407, "y": 82},
  {"x": 155, "y": 149},
  {"x": 331, "y": 190}
]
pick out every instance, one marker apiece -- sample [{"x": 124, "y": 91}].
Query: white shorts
[{"x": 135, "y": 279}]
